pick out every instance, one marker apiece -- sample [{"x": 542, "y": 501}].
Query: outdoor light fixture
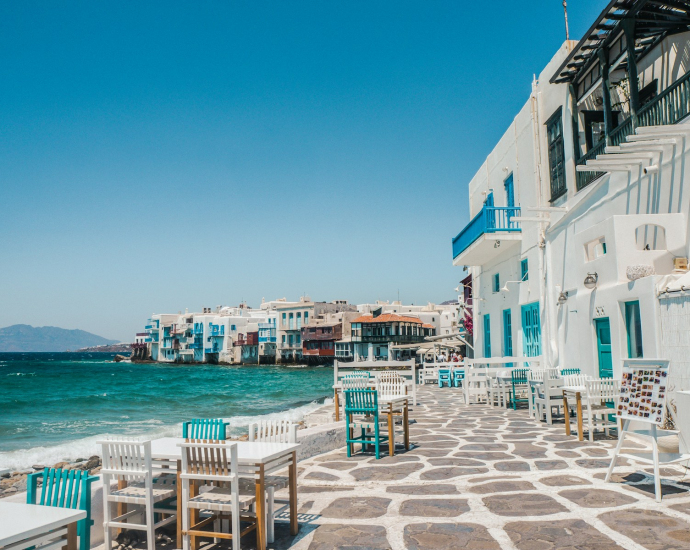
[
  {"x": 505, "y": 286},
  {"x": 497, "y": 244},
  {"x": 591, "y": 280},
  {"x": 562, "y": 298}
]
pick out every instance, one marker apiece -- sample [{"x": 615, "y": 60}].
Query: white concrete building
[{"x": 579, "y": 216}]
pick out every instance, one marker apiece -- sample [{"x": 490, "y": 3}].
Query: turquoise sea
[{"x": 55, "y": 406}]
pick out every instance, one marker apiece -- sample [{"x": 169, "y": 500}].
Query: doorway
[{"x": 603, "y": 331}]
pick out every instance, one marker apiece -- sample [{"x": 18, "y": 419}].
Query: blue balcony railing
[
  {"x": 211, "y": 350},
  {"x": 491, "y": 219}
]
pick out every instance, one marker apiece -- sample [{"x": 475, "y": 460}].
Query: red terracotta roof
[
  {"x": 428, "y": 325},
  {"x": 386, "y": 318}
]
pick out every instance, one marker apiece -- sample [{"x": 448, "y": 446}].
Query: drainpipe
[{"x": 549, "y": 348}]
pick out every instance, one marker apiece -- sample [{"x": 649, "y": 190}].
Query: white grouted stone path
[{"x": 484, "y": 478}]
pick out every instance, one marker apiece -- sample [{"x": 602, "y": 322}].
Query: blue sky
[{"x": 159, "y": 156}]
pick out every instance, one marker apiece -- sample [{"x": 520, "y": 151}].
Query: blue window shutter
[
  {"x": 487, "y": 336},
  {"x": 524, "y": 270}
]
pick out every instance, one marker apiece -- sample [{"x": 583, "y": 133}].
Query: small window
[
  {"x": 232, "y": 327},
  {"x": 524, "y": 270},
  {"x": 497, "y": 283},
  {"x": 650, "y": 237},
  {"x": 554, "y": 137},
  {"x": 633, "y": 326},
  {"x": 595, "y": 249}
]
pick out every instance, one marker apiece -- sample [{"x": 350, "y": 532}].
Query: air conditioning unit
[{"x": 680, "y": 264}]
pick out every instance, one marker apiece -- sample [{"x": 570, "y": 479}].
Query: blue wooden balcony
[{"x": 494, "y": 224}]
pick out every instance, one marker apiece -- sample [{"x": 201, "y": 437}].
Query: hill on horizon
[{"x": 19, "y": 338}]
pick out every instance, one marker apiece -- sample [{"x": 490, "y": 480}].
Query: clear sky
[{"x": 157, "y": 156}]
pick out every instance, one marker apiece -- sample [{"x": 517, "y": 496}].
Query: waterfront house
[
  {"x": 579, "y": 215},
  {"x": 373, "y": 333},
  {"x": 292, "y": 316}
]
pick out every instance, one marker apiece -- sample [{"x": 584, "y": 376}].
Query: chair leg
[
  {"x": 150, "y": 529},
  {"x": 376, "y": 439},
  {"x": 270, "y": 520}
]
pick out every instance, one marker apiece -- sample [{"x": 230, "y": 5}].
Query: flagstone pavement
[{"x": 484, "y": 478}]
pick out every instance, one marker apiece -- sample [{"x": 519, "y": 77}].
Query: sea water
[{"x": 55, "y": 406}]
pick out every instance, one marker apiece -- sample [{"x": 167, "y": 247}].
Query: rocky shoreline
[{"x": 15, "y": 482}]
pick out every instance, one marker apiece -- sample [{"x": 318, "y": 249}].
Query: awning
[
  {"x": 670, "y": 284},
  {"x": 654, "y": 20}
]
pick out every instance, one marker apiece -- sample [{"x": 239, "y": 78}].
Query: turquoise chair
[
  {"x": 205, "y": 428},
  {"x": 458, "y": 377},
  {"x": 444, "y": 378},
  {"x": 518, "y": 377},
  {"x": 566, "y": 372},
  {"x": 64, "y": 489},
  {"x": 363, "y": 402}
]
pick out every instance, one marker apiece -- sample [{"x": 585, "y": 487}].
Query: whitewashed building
[{"x": 579, "y": 216}]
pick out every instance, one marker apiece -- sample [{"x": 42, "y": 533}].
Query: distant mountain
[{"x": 28, "y": 338}]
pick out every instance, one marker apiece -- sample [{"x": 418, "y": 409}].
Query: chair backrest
[
  {"x": 355, "y": 381},
  {"x": 61, "y": 488},
  {"x": 444, "y": 372},
  {"x": 205, "y": 428},
  {"x": 361, "y": 401},
  {"x": 209, "y": 461},
  {"x": 567, "y": 372},
  {"x": 126, "y": 459},
  {"x": 391, "y": 386},
  {"x": 575, "y": 379},
  {"x": 475, "y": 375},
  {"x": 606, "y": 389},
  {"x": 519, "y": 376},
  {"x": 536, "y": 375},
  {"x": 273, "y": 431}
]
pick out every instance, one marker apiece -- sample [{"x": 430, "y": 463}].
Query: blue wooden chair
[
  {"x": 518, "y": 381},
  {"x": 458, "y": 377},
  {"x": 444, "y": 378},
  {"x": 205, "y": 428},
  {"x": 363, "y": 402},
  {"x": 64, "y": 489},
  {"x": 566, "y": 372}
]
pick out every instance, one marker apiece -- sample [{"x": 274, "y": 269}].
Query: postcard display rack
[{"x": 644, "y": 386}]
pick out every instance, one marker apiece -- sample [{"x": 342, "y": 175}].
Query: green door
[
  {"x": 531, "y": 330},
  {"x": 603, "y": 330}
]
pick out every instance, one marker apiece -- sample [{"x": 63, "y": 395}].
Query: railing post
[
  {"x": 603, "y": 54},
  {"x": 629, "y": 30}
]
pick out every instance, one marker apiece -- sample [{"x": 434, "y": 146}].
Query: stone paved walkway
[{"x": 482, "y": 478}]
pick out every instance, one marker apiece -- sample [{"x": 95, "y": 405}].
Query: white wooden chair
[
  {"x": 549, "y": 395},
  {"x": 128, "y": 463},
  {"x": 271, "y": 431},
  {"x": 475, "y": 385},
  {"x": 599, "y": 393},
  {"x": 575, "y": 379},
  {"x": 429, "y": 375},
  {"x": 496, "y": 391},
  {"x": 214, "y": 465}
]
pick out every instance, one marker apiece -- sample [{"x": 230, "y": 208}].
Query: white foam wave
[{"x": 86, "y": 447}]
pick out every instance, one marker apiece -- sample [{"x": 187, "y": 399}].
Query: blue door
[
  {"x": 487, "y": 336},
  {"x": 510, "y": 193},
  {"x": 507, "y": 335},
  {"x": 531, "y": 330},
  {"x": 603, "y": 330},
  {"x": 490, "y": 212}
]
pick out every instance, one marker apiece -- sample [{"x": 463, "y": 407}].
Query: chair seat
[
  {"x": 219, "y": 499},
  {"x": 248, "y": 486},
  {"x": 135, "y": 492}
]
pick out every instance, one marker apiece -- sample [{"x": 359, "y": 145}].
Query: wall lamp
[
  {"x": 562, "y": 298},
  {"x": 591, "y": 280},
  {"x": 505, "y": 286}
]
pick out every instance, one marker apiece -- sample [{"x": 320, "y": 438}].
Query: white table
[
  {"x": 26, "y": 525},
  {"x": 255, "y": 459},
  {"x": 338, "y": 388}
]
